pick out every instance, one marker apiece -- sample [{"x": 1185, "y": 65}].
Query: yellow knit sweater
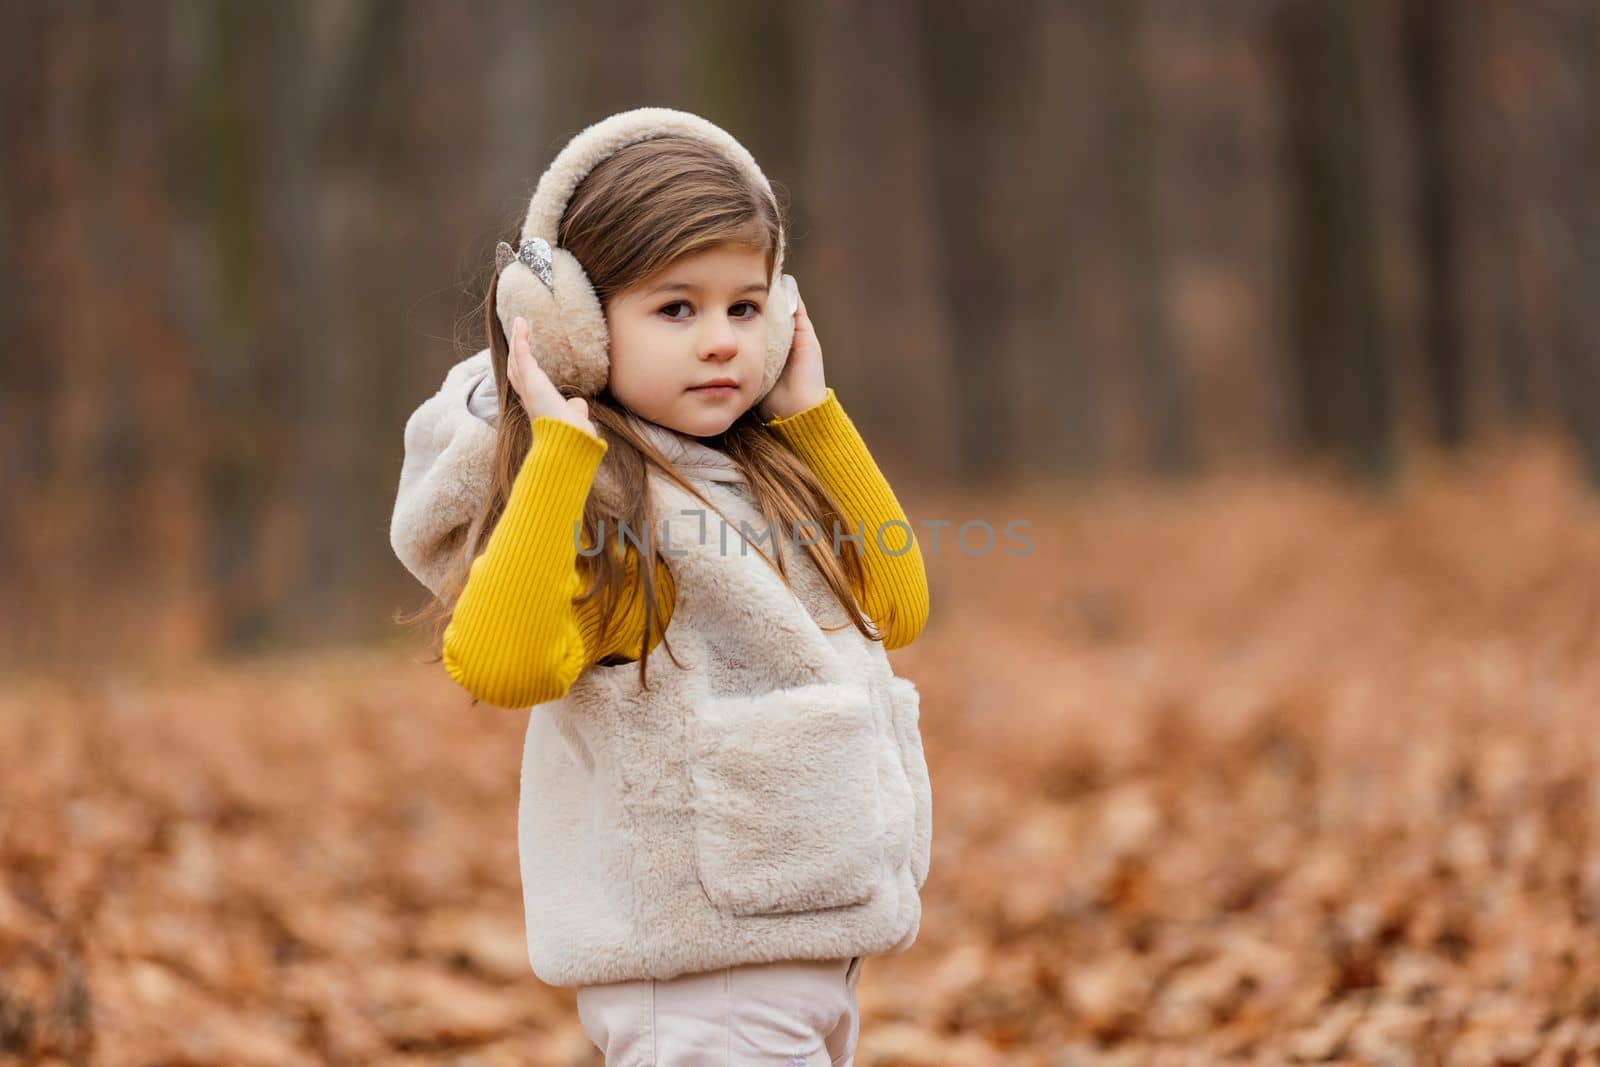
[{"x": 516, "y": 639}]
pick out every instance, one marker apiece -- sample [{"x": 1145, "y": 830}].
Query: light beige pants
[{"x": 791, "y": 1014}]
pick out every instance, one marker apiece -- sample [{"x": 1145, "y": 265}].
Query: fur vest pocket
[{"x": 788, "y": 810}]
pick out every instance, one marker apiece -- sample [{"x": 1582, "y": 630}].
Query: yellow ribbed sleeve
[
  {"x": 897, "y": 583},
  {"x": 516, "y": 639}
]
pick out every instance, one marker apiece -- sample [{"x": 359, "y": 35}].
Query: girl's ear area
[
  {"x": 781, "y": 296},
  {"x": 567, "y": 328},
  {"x": 780, "y": 330}
]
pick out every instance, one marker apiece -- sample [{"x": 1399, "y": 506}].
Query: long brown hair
[{"x": 634, "y": 214}]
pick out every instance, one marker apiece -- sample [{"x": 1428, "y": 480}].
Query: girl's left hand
[{"x": 801, "y": 385}]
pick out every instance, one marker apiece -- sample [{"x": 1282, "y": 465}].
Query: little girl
[{"x": 724, "y": 802}]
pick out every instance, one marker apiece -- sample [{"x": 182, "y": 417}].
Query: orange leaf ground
[{"x": 1255, "y": 772}]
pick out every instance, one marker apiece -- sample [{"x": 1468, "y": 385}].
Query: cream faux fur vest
[{"x": 767, "y": 800}]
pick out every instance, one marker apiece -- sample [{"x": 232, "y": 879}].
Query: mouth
[{"x": 717, "y": 387}]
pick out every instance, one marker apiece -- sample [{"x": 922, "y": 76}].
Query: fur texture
[
  {"x": 445, "y": 476},
  {"x": 566, "y": 326},
  {"x": 769, "y": 800}
]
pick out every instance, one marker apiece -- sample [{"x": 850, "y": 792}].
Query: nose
[{"x": 718, "y": 341}]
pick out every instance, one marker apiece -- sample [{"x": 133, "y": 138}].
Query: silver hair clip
[{"x": 534, "y": 251}]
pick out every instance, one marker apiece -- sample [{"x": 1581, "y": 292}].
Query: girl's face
[{"x": 699, "y": 320}]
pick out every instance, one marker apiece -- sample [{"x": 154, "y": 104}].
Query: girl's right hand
[{"x": 538, "y": 394}]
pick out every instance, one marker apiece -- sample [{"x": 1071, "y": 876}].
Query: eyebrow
[{"x": 753, "y": 287}]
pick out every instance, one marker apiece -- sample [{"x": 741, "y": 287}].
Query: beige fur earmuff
[{"x": 547, "y": 286}]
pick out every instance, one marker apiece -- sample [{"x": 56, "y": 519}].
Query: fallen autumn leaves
[{"x": 1249, "y": 772}]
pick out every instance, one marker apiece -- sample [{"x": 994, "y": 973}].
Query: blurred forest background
[
  {"x": 1043, "y": 241},
  {"x": 1278, "y": 319}
]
